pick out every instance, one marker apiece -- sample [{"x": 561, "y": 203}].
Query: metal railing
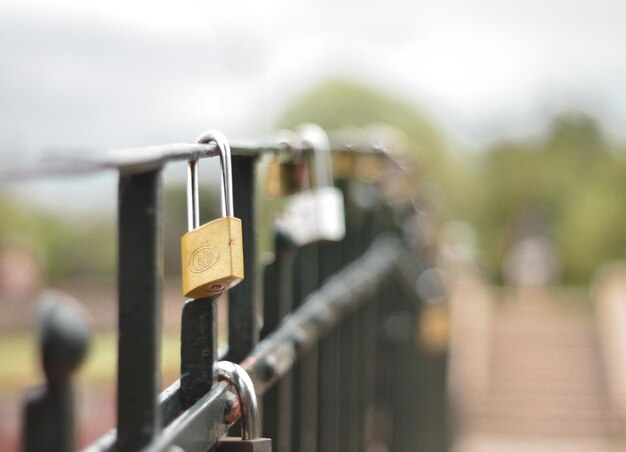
[{"x": 336, "y": 360}]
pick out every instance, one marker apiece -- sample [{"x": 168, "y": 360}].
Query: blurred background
[{"x": 514, "y": 116}]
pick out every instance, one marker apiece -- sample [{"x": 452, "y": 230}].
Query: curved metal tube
[
  {"x": 193, "y": 208},
  {"x": 223, "y": 149},
  {"x": 314, "y": 136},
  {"x": 235, "y": 375}
]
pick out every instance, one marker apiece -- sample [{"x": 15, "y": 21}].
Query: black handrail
[{"x": 326, "y": 362}]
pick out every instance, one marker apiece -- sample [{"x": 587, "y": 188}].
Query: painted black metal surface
[
  {"x": 243, "y": 329},
  {"x": 278, "y": 299},
  {"x": 198, "y": 349},
  {"x": 337, "y": 362},
  {"x": 199, "y": 427},
  {"x": 48, "y": 422},
  {"x": 140, "y": 276}
]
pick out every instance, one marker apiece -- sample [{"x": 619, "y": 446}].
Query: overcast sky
[{"x": 77, "y": 74}]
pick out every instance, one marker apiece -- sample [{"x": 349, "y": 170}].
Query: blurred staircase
[{"x": 544, "y": 385}]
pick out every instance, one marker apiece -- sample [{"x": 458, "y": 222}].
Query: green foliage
[
  {"x": 78, "y": 246},
  {"x": 343, "y": 103},
  {"x": 338, "y": 103},
  {"x": 572, "y": 180}
]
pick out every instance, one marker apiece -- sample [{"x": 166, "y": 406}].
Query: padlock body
[
  {"x": 299, "y": 218},
  {"x": 331, "y": 223},
  {"x": 212, "y": 258},
  {"x": 229, "y": 444},
  {"x": 273, "y": 186},
  {"x": 286, "y": 178},
  {"x": 313, "y": 216}
]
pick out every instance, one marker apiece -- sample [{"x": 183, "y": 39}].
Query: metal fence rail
[{"x": 336, "y": 359}]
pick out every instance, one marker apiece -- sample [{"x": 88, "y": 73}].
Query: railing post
[
  {"x": 48, "y": 422},
  {"x": 140, "y": 274},
  {"x": 332, "y": 257},
  {"x": 243, "y": 331},
  {"x": 278, "y": 297},
  {"x": 198, "y": 349},
  {"x": 305, "y": 372}
]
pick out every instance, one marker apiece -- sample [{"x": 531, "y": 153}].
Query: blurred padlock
[
  {"x": 288, "y": 172},
  {"x": 316, "y": 214},
  {"x": 371, "y": 167},
  {"x": 250, "y": 440},
  {"x": 433, "y": 327},
  {"x": 344, "y": 163},
  {"x": 212, "y": 254},
  {"x": 298, "y": 221},
  {"x": 329, "y": 199}
]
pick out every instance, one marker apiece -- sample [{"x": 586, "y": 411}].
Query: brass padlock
[
  {"x": 286, "y": 178},
  {"x": 288, "y": 172},
  {"x": 212, "y": 254},
  {"x": 250, "y": 440}
]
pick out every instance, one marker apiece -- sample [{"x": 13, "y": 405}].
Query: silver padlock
[
  {"x": 317, "y": 214},
  {"x": 250, "y": 440},
  {"x": 331, "y": 221}
]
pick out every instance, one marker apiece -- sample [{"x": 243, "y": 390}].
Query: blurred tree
[
  {"x": 338, "y": 103},
  {"x": 567, "y": 185},
  {"x": 571, "y": 180},
  {"x": 75, "y": 246}
]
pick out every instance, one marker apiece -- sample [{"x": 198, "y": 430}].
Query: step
[
  {"x": 539, "y": 426},
  {"x": 591, "y": 385},
  {"x": 546, "y": 401},
  {"x": 513, "y": 420}
]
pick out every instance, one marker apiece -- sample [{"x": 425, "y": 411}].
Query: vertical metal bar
[
  {"x": 383, "y": 410},
  {"x": 397, "y": 381},
  {"x": 332, "y": 257},
  {"x": 198, "y": 348},
  {"x": 369, "y": 366},
  {"x": 243, "y": 332},
  {"x": 349, "y": 343},
  {"x": 357, "y": 381},
  {"x": 346, "y": 382},
  {"x": 432, "y": 432},
  {"x": 306, "y": 435},
  {"x": 278, "y": 301},
  {"x": 140, "y": 274},
  {"x": 285, "y": 385},
  {"x": 305, "y": 372},
  {"x": 193, "y": 206},
  {"x": 48, "y": 422},
  {"x": 328, "y": 394},
  {"x": 278, "y": 296},
  {"x": 285, "y": 411}
]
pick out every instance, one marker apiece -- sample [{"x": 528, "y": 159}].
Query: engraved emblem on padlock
[
  {"x": 317, "y": 214},
  {"x": 212, "y": 254},
  {"x": 250, "y": 440}
]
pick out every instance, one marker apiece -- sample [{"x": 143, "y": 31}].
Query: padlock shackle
[
  {"x": 226, "y": 179},
  {"x": 223, "y": 148},
  {"x": 314, "y": 136},
  {"x": 285, "y": 138},
  {"x": 193, "y": 208},
  {"x": 239, "y": 378}
]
